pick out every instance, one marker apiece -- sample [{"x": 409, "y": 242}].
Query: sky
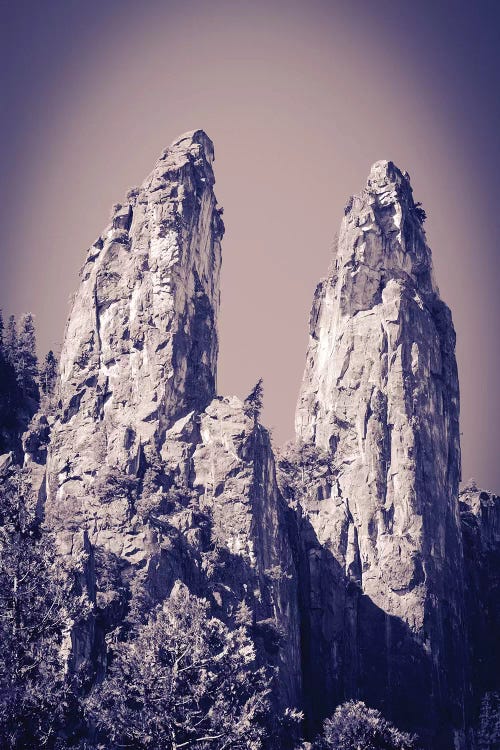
[{"x": 300, "y": 98}]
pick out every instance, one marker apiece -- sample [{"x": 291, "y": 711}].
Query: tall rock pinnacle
[
  {"x": 141, "y": 343},
  {"x": 349, "y": 559},
  {"x": 380, "y": 392},
  {"x": 151, "y": 477},
  {"x": 140, "y": 351}
]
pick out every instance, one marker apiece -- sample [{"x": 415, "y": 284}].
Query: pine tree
[
  {"x": 10, "y": 395},
  {"x": 252, "y": 405},
  {"x": 1, "y": 334},
  {"x": 48, "y": 374},
  {"x": 185, "y": 681},
  {"x": 244, "y": 615},
  {"x": 27, "y": 363},
  {"x": 10, "y": 342},
  {"x": 32, "y": 617}
]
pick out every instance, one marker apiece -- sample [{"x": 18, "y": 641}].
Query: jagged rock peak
[
  {"x": 145, "y": 467},
  {"x": 193, "y": 149},
  {"x": 380, "y": 393},
  {"x": 383, "y": 172},
  {"x": 188, "y": 142},
  {"x": 382, "y": 234},
  {"x": 141, "y": 344},
  {"x": 389, "y": 183}
]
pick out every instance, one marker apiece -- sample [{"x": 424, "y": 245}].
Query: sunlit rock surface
[
  {"x": 380, "y": 392},
  {"x": 355, "y": 586},
  {"x": 141, "y": 345},
  {"x": 165, "y": 482}
]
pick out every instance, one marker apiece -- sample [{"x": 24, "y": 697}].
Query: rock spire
[
  {"x": 151, "y": 477},
  {"x": 380, "y": 394}
]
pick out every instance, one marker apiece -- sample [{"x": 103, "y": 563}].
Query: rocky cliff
[
  {"x": 380, "y": 394},
  {"x": 140, "y": 347},
  {"x": 352, "y": 564},
  {"x": 150, "y": 478}
]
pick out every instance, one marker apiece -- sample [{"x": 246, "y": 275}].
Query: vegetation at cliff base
[
  {"x": 184, "y": 680},
  {"x": 33, "y": 616},
  {"x": 354, "y": 726}
]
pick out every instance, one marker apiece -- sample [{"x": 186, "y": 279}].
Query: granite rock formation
[
  {"x": 140, "y": 347},
  {"x": 151, "y": 479},
  {"x": 380, "y": 393},
  {"x": 353, "y": 565}
]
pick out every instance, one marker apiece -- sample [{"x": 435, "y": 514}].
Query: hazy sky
[{"x": 300, "y": 98}]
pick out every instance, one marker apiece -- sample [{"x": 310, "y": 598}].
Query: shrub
[{"x": 354, "y": 725}]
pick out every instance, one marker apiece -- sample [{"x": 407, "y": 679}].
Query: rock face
[
  {"x": 350, "y": 576},
  {"x": 228, "y": 466},
  {"x": 480, "y": 517},
  {"x": 380, "y": 393},
  {"x": 161, "y": 480},
  {"x": 141, "y": 343}
]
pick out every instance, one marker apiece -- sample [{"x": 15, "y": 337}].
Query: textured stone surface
[
  {"x": 233, "y": 525},
  {"x": 356, "y": 587},
  {"x": 141, "y": 342},
  {"x": 160, "y": 488},
  {"x": 380, "y": 391},
  {"x": 480, "y": 517}
]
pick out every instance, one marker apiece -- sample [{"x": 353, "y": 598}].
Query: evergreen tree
[
  {"x": 48, "y": 374},
  {"x": 10, "y": 395},
  {"x": 244, "y": 615},
  {"x": 252, "y": 405},
  {"x": 27, "y": 363},
  {"x": 354, "y": 725},
  {"x": 32, "y": 615},
  {"x": 10, "y": 342},
  {"x": 19, "y": 394},
  {"x": 184, "y": 681},
  {"x": 1, "y": 334}
]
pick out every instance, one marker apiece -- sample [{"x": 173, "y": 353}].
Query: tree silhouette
[
  {"x": 10, "y": 342},
  {"x": 48, "y": 374},
  {"x": 26, "y": 360},
  {"x": 252, "y": 405}
]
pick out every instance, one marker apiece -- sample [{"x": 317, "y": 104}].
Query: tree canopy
[
  {"x": 33, "y": 613},
  {"x": 183, "y": 681},
  {"x": 354, "y": 726}
]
